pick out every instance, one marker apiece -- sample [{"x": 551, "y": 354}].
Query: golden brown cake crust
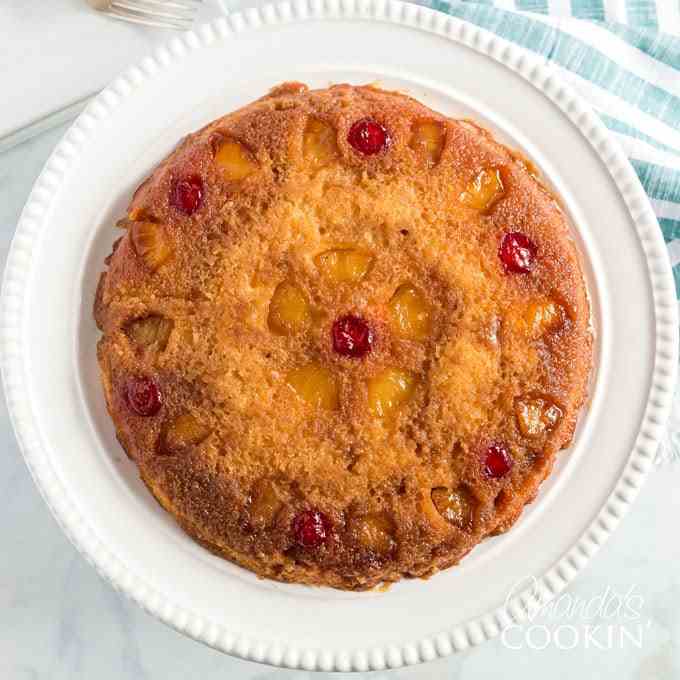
[{"x": 233, "y": 448}]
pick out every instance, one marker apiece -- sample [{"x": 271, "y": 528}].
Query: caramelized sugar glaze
[{"x": 344, "y": 336}]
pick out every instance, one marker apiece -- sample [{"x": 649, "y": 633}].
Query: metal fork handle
[
  {"x": 45, "y": 123},
  {"x": 172, "y": 24},
  {"x": 72, "y": 110},
  {"x": 172, "y": 14}
]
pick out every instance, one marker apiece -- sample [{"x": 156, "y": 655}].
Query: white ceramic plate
[{"x": 48, "y": 335}]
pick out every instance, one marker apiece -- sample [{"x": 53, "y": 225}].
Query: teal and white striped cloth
[{"x": 623, "y": 56}]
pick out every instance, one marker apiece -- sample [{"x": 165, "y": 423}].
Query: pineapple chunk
[
  {"x": 428, "y": 138},
  {"x": 235, "y": 161},
  {"x": 150, "y": 332},
  {"x": 151, "y": 244},
  {"x": 410, "y": 313},
  {"x": 289, "y": 310},
  {"x": 374, "y": 532},
  {"x": 536, "y": 415},
  {"x": 543, "y": 317},
  {"x": 265, "y": 502},
  {"x": 454, "y": 505},
  {"x": 537, "y": 318},
  {"x": 315, "y": 385},
  {"x": 484, "y": 190},
  {"x": 184, "y": 431},
  {"x": 388, "y": 390},
  {"x": 319, "y": 145},
  {"x": 137, "y": 215},
  {"x": 344, "y": 265}
]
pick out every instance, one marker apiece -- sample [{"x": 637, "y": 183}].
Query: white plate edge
[{"x": 542, "y": 76}]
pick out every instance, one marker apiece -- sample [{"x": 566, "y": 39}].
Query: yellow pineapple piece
[
  {"x": 150, "y": 332},
  {"x": 124, "y": 223},
  {"x": 536, "y": 415},
  {"x": 374, "y": 532},
  {"x": 151, "y": 244},
  {"x": 530, "y": 167},
  {"x": 454, "y": 505},
  {"x": 235, "y": 161},
  {"x": 138, "y": 215},
  {"x": 344, "y": 265},
  {"x": 429, "y": 509},
  {"x": 265, "y": 503},
  {"x": 410, "y": 313},
  {"x": 289, "y": 310},
  {"x": 184, "y": 431},
  {"x": 544, "y": 317},
  {"x": 316, "y": 385},
  {"x": 388, "y": 390},
  {"x": 537, "y": 318},
  {"x": 484, "y": 190},
  {"x": 427, "y": 137},
  {"x": 319, "y": 144}
]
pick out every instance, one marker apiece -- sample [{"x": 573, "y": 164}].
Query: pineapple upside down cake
[{"x": 344, "y": 336}]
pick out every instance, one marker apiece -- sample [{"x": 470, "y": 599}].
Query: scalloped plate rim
[{"x": 24, "y": 423}]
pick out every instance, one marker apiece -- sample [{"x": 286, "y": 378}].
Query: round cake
[{"x": 344, "y": 336}]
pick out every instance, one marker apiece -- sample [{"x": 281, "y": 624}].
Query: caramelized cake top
[{"x": 344, "y": 336}]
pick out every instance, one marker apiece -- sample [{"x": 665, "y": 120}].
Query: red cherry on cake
[
  {"x": 517, "y": 253},
  {"x": 352, "y": 336},
  {"x": 497, "y": 461},
  {"x": 143, "y": 396},
  {"x": 311, "y": 528},
  {"x": 368, "y": 137},
  {"x": 186, "y": 194}
]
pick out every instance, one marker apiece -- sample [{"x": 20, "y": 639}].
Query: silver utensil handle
[{"x": 48, "y": 122}]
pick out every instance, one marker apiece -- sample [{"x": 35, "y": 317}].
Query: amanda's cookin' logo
[{"x": 611, "y": 619}]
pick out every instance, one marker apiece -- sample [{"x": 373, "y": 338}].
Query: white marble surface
[
  {"x": 54, "y": 52},
  {"x": 59, "y": 620}
]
